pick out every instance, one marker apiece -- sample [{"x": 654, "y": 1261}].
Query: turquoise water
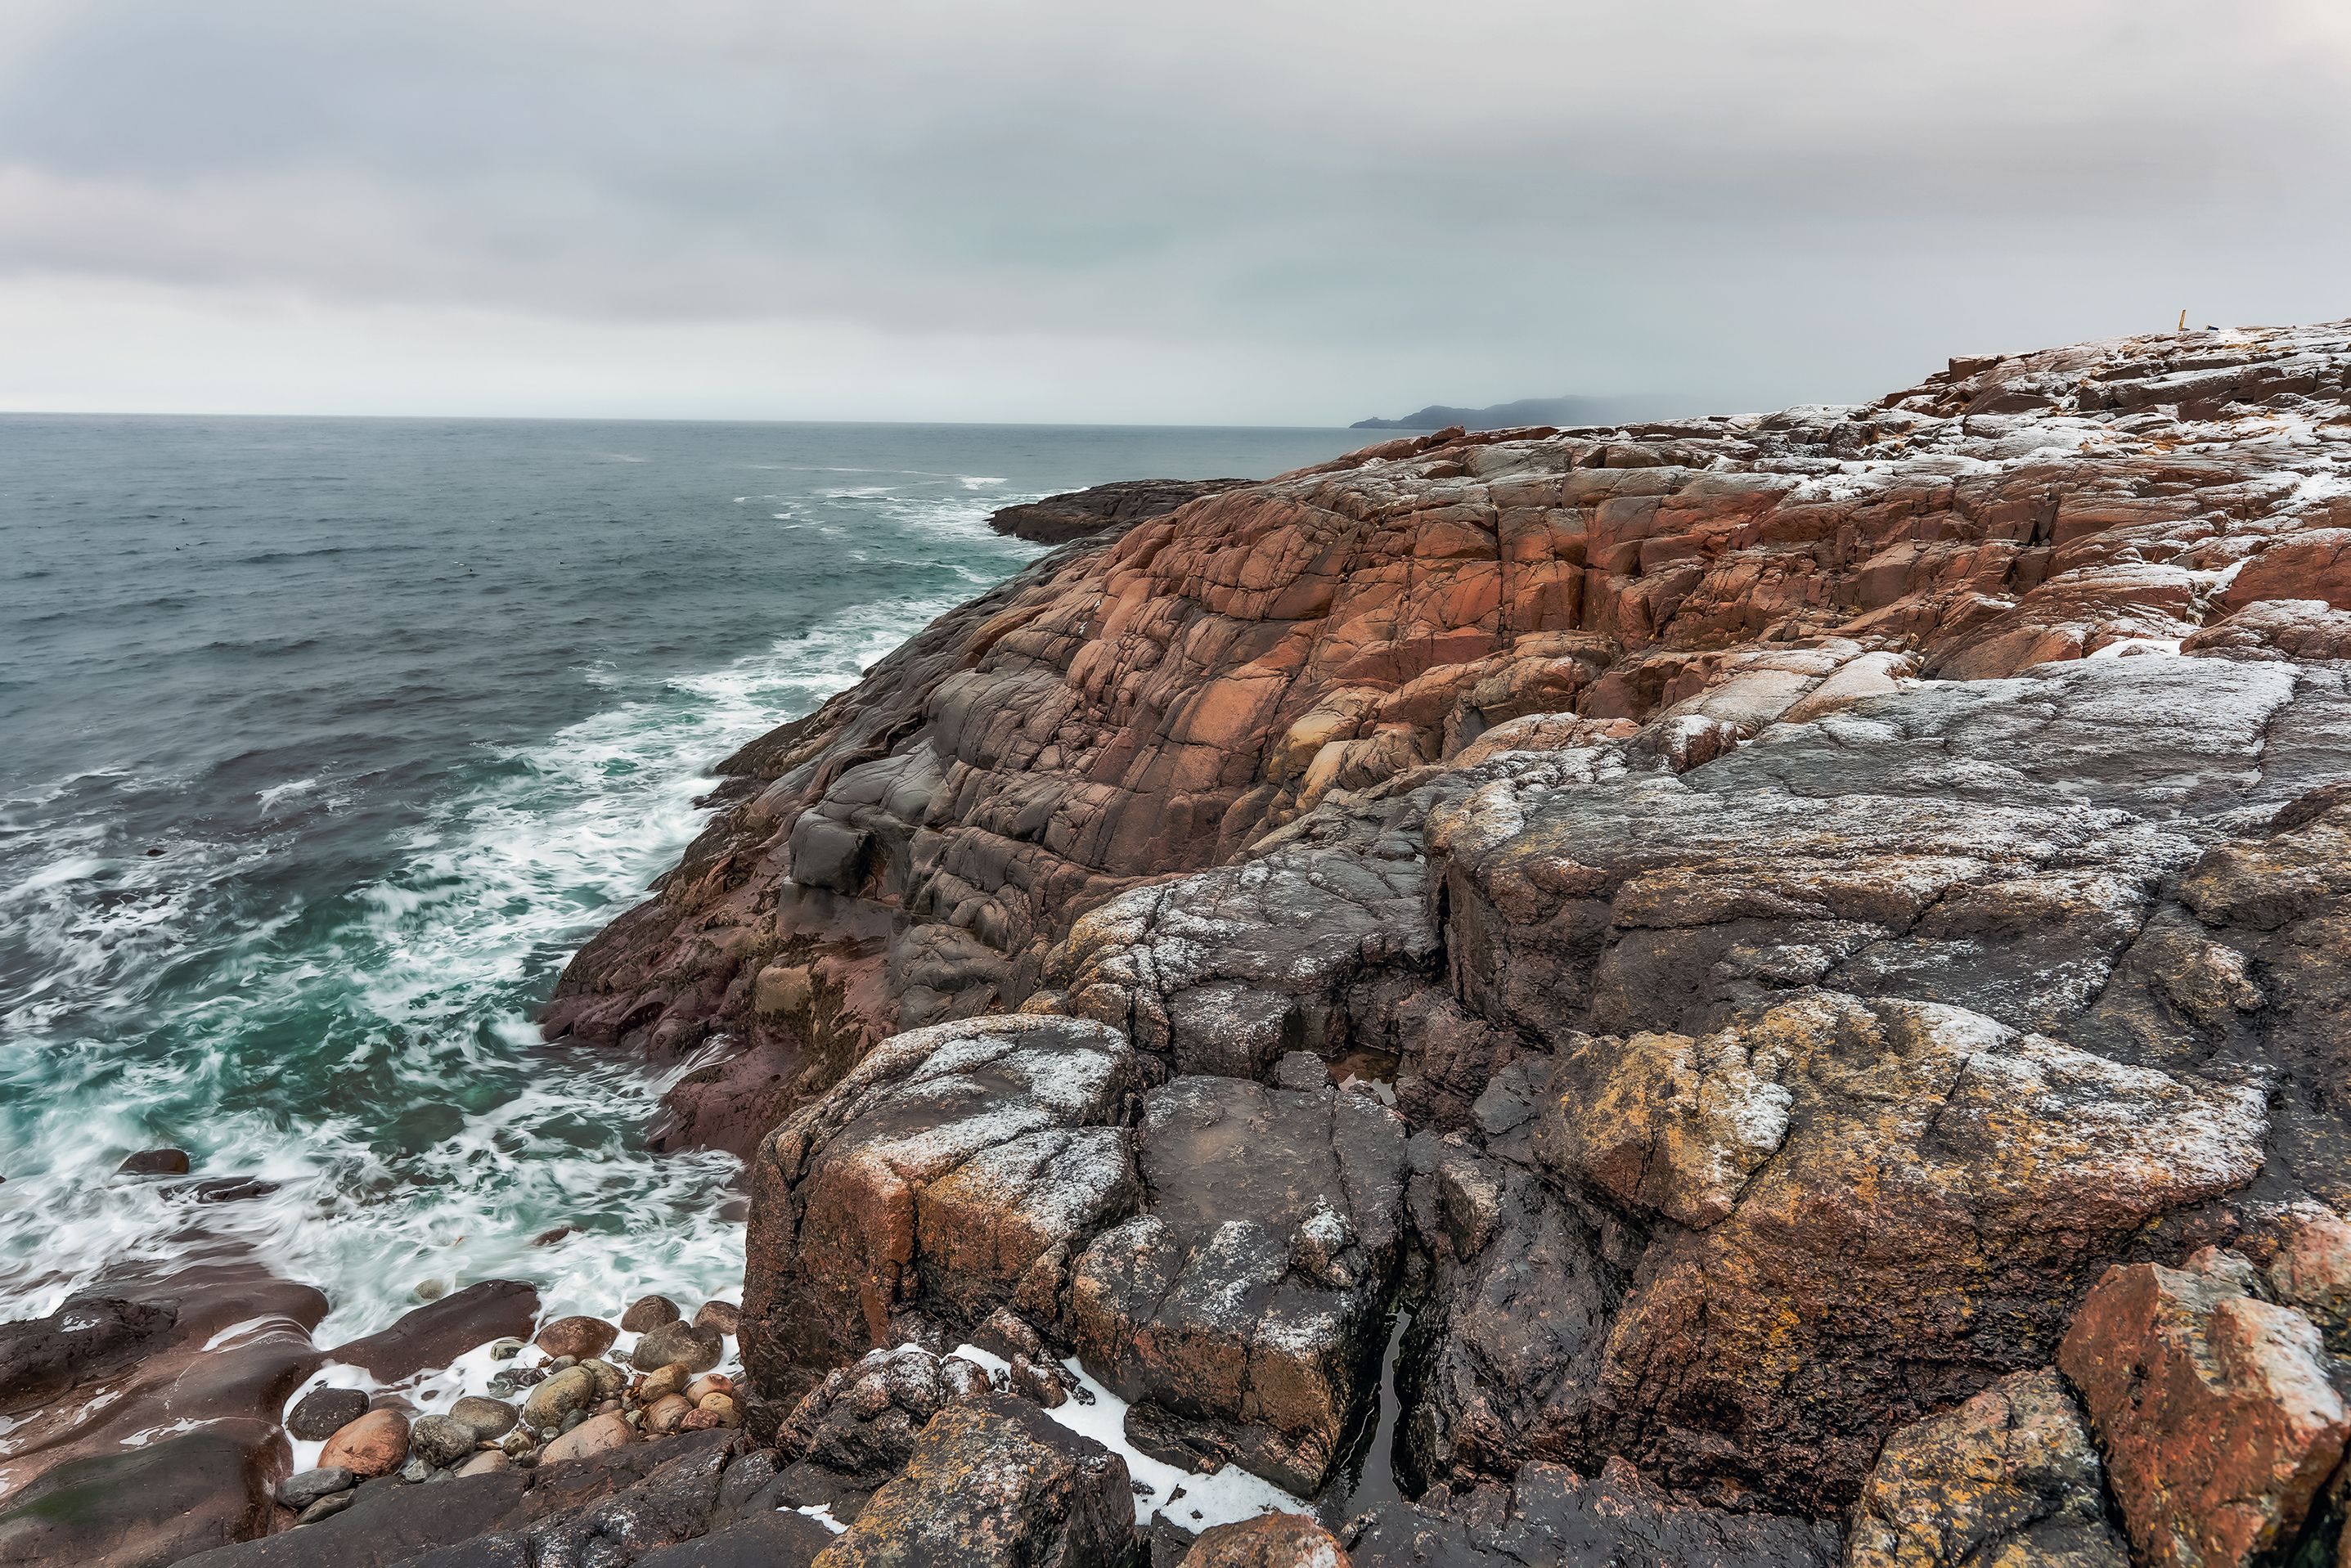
[{"x": 324, "y": 742}]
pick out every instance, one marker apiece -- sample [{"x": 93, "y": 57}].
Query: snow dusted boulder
[
  {"x": 954, "y": 1172},
  {"x": 1243, "y": 1312}
]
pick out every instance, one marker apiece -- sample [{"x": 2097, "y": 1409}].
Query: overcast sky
[{"x": 1211, "y": 212}]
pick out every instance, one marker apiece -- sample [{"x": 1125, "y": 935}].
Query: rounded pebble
[
  {"x": 301, "y": 1491},
  {"x": 488, "y": 1417},
  {"x": 648, "y": 1312},
  {"x": 322, "y": 1413},
  {"x": 374, "y": 1444},
  {"x": 440, "y": 1440},
  {"x": 577, "y": 1337},
  {"x": 697, "y": 1350}
]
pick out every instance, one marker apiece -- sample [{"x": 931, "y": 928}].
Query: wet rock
[
  {"x": 993, "y": 1481},
  {"x": 301, "y": 1490},
  {"x": 1550, "y": 1515},
  {"x": 220, "y": 1189},
  {"x": 577, "y": 1337},
  {"x": 1248, "y": 1302},
  {"x": 438, "y": 1333},
  {"x": 325, "y": 1507},
  {"x": 677, "y": 1343},
  {"x": 155, "y": 1162},
  {"x": 564, "y": 1394},
  {"x": 440, "y": 1442},
  {"x": 374, "y": 1444},
  {"x": 768, "y": 1540},
  {"x": 486, "y": 1418},
  {"x": 609, "y": 1379},
  {"x": 661, "y": 1382},
  {"x": 708, "y": 1383},
  {"x": 385, "y": 1522},
  {"x": 593, "y": 1435},
  {"x": 40, "y": 1358},
  {"x": 484, "y": 1462},
  {"x": 953, "y": 1172},
  {"x": 2009, "y": 1476},
  {"x": 674, "y": 1502},
  {"x": 648, "y": 1312},
  {"x": 322, "y": 1413},
  {"x": 1268, "y": 1540},
  {"x": 662, "y": 1414},
  {"x": 144, "y": 1505},
  {"x": 515, "y": 1379},
  {"x": 2214, "y": 1409},
  {"x": 724, "y": 1316}
]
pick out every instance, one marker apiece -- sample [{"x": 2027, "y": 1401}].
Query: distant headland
[{"x": 1564, "y": 411}]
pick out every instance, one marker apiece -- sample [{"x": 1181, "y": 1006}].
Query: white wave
[
  {"x": 269, "y": 798},
  {"x": 422, "y": 970}
]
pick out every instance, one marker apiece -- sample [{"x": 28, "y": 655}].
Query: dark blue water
[{"x": 323, "y": 743}]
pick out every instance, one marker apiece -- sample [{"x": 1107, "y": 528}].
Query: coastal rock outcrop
[
  {"x": 1059, "y": 519},
  {"x": 954, "y": 1172},
  {"x": 1758, "y": 934}
]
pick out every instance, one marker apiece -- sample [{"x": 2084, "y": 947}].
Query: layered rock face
[{"x": 1742, "y": 927}]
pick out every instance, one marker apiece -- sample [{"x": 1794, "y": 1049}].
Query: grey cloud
[{"x": 1745, "y": 200}]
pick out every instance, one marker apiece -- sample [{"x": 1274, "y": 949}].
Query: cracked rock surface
[{"x": 1807, "y": 951}]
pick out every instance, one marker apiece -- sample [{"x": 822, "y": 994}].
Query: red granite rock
[{"x": 2214, "y": 1408}]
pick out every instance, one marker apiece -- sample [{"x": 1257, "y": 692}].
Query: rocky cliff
[{"x": 1807, "y": 952}]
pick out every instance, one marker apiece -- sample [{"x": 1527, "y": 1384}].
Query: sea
[{"x": 323, "y": 745}]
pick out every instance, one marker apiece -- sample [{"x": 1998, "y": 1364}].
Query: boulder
[
  {"x": 953, "y": 1172},
  {"x": 1243, "y": 1311},
  {"x": 567, "y": 1391},
  {"x": 2214, "y": 1408},
  {"x": 577, "y": 1337},
  {"x": 648, "y": 1312},
  {"x": 374, "y": 1444},
  {"x": 299, "y": 1491},
  {"x": 2007, "y": 1477},
  {"x": 486, "y": 1418},
  {"x": 1268, "y": 1540},
  {"x": 857, "y": 1429},
  {"x": 675, "y": 1344},
  {"x": 993, "y": 1481},
  {"x": 591, "y": 1437},
  {"x": 322, "y": 1412},
  {"x": 440, "y": 1440}
]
